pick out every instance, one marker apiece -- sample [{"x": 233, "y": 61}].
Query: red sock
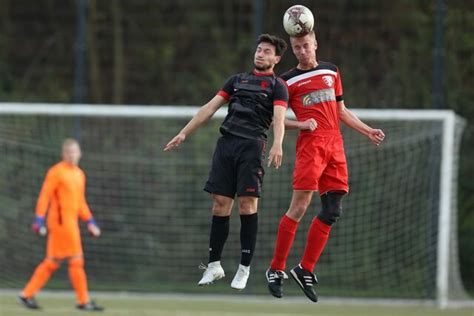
[
  {"x": 284, "y": 240},
  {"x": 315, "y": 242}
]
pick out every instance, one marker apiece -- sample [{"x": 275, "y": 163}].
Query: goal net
[{"x": 396, "y": 238}]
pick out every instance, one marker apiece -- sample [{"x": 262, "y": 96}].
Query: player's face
[
  {"x": 265, "y": 57},
  {"x": 71, "y": 153},
  {"x": 304, "y": 48}
]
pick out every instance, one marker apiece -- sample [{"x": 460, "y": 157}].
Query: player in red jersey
[{"x": 315, "y": 95}]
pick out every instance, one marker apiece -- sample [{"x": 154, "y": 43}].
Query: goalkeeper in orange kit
[{"x": 62, "y": 198}]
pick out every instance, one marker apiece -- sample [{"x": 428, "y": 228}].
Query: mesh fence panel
[{"x": 156, "y": 217}]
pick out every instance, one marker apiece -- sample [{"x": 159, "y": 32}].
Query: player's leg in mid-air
[
  {"x": 275, "y": 274},
  {"x": 248, "y": 239},
  {"x": 221, "y": 209},
  {"x": 316, "y": 240},
  {"x": 237, "y": 168},
  {"x": 250, "y": 173},
  {"x": 333, "y": 185},
  {"x": 309, "y": 165},
  {"x": 221, "y": 185}
]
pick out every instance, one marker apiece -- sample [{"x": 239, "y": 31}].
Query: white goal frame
[{"x": 447, "y": 172}]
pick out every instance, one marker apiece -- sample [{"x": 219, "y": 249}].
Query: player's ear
[
  {"x": 277, "y": 59},
  {"x": 316, "y": 44}
]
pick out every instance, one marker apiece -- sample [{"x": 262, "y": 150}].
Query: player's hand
[
  {"x": 275, "y": 156},
  {"x": 93, "y": 228},
  {"x": 38, "y": 226},
  {"x": 178, "y": 139},
  {"x": 376, "y": 136},
  {"x": 309, "y": 124}
]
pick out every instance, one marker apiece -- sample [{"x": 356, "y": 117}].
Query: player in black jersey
[{"x": 256, "y": 99}]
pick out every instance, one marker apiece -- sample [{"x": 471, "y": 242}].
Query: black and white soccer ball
[{"x": 298, "y": 20}]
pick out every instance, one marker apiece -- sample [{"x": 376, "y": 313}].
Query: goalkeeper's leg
[
  {"x": 78, "y": 278},
  {"x": 39, "y": 278}
]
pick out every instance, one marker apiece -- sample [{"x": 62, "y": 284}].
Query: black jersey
[{"x": 251, "y": 99}]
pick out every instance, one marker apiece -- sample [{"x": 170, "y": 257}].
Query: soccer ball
[{"x": 298, "y": 20}]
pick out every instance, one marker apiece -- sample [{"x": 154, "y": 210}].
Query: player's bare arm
[
  {"x": 309, "y": 124},
  {"x": 276, "y": 152},
  {"x": 350, "y": 119},
  {"x": 202, "y": 116}
]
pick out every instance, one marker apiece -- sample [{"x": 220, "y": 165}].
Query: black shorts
[{"x": 237, "y": 167}]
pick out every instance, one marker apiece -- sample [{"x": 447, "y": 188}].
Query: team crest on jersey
[
  {"x": 264, "y": 84},
  {"x": 329, "y": 80}
]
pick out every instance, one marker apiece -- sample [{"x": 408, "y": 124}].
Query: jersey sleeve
[
  {"x": 338, "y": 87},
  {"x": 47, "y": 190},
  {"x": 228, "y": 88},
  {"x": 84, "y": 211},
  {"x": 280, "y": 95}
]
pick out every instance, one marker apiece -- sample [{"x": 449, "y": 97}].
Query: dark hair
[{"x": 280, "y": 44}]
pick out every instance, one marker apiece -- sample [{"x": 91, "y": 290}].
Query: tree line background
[{"x": 180, "y": 52}]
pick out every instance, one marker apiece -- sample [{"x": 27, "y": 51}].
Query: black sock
[
  {"x": 248, "y": 237},
  {"x": 219, "y": 233}
]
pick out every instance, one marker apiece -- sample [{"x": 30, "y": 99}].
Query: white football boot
[
  {"x": 241, "y": 276},
  {"x": 213, "y": 272}
]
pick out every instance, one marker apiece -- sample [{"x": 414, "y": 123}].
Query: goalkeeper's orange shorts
[
  {"x": 320, "y": 162},
  {"x": 64, "y": 242}
]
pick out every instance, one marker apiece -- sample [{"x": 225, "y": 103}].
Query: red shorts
[{"x": 320, "y": 162}]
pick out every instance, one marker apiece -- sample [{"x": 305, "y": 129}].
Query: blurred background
[{"x": 403, "y": 54}]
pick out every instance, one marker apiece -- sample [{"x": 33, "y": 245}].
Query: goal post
[{"x": 396, "y": 239}]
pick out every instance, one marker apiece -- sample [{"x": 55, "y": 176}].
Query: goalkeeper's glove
[
  {"x": 38, "y": 226},
  {"x": 93, "y": 228}
]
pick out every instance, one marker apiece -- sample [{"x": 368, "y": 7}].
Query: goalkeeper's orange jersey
[{"x": 62, "y": 198}]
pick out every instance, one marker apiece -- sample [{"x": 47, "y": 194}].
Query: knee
[
  {"x": 222, "y": 206},
  {"x": 51, "y": 265},
  {"x": 297, "y": 210},
  {"x": 76, "y": 263},
  {"x": 247, "y": 205},
  {"x": 331, "y": 207}
]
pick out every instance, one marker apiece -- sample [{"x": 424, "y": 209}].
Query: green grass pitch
[{"x": 208, "y": 305}]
